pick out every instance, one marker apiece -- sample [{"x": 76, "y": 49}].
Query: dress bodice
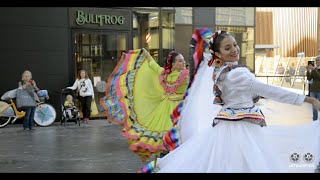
[{"x": 174, "y": 84}]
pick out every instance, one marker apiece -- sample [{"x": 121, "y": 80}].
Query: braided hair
[
  {"x": 215, "y": 43},
  {"x": 170, "y": 59}
]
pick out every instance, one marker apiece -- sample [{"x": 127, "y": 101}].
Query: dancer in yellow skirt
[{"x": 141, "y": 96}]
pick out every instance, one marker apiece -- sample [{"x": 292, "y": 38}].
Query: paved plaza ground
[{"x": 96, "y": 148}]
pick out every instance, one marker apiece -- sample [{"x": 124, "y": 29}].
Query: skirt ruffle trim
[
  {"x": 143, "y": 142},
  {"x": 148, "y": 168}
]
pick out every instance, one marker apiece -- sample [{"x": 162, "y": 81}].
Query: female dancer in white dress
[{"x": 236, "y": 137}]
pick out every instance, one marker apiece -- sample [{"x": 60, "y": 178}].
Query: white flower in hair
[{"x": 219, "y": 32}]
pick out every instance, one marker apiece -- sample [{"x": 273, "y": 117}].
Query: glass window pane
[
  {"x": 245, "y": 39},
  {"x": 183, "y": 15},
  {"x": 85, "y": 38},
  {"x": 98, "y": 57},
  {"x": 168, "y": 19},
  {"x": 154, "y": 19},
  {"x": 167, "y": 33},
  {"x": 168, "y": 39},
  {"x": 146, "y": 32},
  {"x": 239, "y": 16},
  {"x": 94, "y": 39},
  {"x": 85, "y": 51},
  {"x": 135, "y": 22},
  {"x": 121, "y": 42}
]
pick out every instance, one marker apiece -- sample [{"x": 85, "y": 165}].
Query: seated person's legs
[
  {"x": 75, "y": 111},
  {"x": 69, "y": 113}
]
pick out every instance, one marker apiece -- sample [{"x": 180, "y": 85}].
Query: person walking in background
[
  {"x": 86, "y": 93},
  {"x": 292, "y": 69},
  {"x": 28, "y": 84},
  {"x": 280, "y": 71},
  {"x": 313, "y": 74},
  {"x": 291, "y": 72},
  {"x": 141, "y": 95}
]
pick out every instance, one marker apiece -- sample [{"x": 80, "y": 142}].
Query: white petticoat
[
  {"x": 245, "y": 147},
  {"x": 237, "y": 146}
]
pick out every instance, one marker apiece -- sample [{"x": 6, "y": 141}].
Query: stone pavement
[{"x": 95, "y": 148}]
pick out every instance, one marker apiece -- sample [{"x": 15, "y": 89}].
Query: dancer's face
[
  {"x": 179, "y": 63},
  {"x": 229, "y": 50}
]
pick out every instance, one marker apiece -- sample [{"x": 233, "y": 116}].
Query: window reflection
[
  {"x": 146, "y": 31},
  {"x": 98, "y": 54},
  {"x": 245, "y": 39},
  {"x": 168, "y": 30}
]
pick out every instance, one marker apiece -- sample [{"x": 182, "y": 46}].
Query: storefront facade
[
  {"x": 55, "y": 43},
  {"x": 100, "y": 35}
]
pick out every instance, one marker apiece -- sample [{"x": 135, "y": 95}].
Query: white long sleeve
[
  {"x": 277, "y": 93},
  {"x": 91, "y": 88},
  {"x": 75, "y": 85},
  {"x": 85, "y": 87},
  {"x": 240, "y": 84}
]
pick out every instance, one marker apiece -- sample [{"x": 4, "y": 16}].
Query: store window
[
  {"x": 245, "y": 39},
  {"x": 240, "y": 16},
  {"x": 168, "y": 30},
  {"x": 146, "y": 31},
  {"x": 154, "y": 29},
  {"x": 98, "y": 54}
]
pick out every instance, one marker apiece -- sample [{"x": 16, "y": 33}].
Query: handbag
[
  {"x": 94, "y": 108},
  {"x": 25, "y": 99}
]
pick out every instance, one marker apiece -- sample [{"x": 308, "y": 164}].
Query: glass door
[{"x": 98, "y": 53}]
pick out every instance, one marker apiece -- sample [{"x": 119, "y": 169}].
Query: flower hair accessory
[
  {"x": 168, "y": 64},
  {"x": 215, "y": 61}
]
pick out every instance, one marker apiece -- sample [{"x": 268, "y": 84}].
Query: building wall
[
  {"x": 318, "y": 41},
  {"x": 294, "y": 29},
  {"x": 182, "y": 40},
  {"x": 204, "y": 17},
  {"x": 264, "y": 28},
  {"x": 35, "y": 39}
]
